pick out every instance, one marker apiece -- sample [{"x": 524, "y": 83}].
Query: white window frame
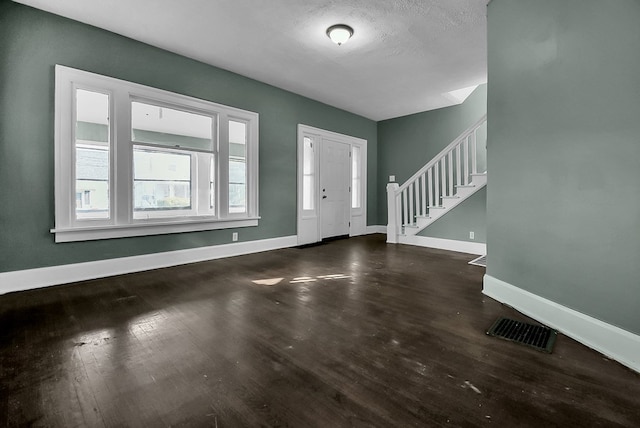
[
  {"x": 198, "y": 175},
  {"x": 121, "y": 222},
  {"x": 248, "y": 177}
]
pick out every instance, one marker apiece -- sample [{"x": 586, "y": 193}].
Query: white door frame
[{"x": 309, "y": 225}]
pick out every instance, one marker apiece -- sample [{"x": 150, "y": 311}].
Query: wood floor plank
[{"x": 354, "y": 332}]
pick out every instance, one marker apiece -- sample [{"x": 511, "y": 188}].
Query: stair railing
[{"x": 440, "y": 178}]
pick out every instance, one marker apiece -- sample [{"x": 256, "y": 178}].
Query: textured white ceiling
[{"x": 405, "y": 56}]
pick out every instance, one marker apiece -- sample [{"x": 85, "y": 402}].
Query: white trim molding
[
  {"x": 476, "y": 248},
  {"x": 148, "y": 229},
  {"x": 376, "y": 229},
  {"x": 614, "y": 342},
  {"x": 44, "y": 277}
]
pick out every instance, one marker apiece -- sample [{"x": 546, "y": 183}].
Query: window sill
[{"x": 145, "y": 229}]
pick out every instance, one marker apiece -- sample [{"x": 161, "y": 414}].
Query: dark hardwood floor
[{"x": 372, "y": 335}]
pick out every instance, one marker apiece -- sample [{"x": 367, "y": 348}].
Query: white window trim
[{"x": 121, "y": 222}]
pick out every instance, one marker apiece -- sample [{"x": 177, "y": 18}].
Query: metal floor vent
[
  {"x": 537, "y": 336},
  {"x": 480, "y": 261}
]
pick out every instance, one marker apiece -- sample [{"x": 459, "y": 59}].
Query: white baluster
[
  {"x": 450, "y": 159},
  {"x": 436, "y": 184},
  {"x": 430, "y": 184},
  {"x": 423, "y": 179},
  {"x": 458, "y": 165},
  {"x": 466, "y": 160},
  {"x": 443, "y": 175},
  {"x": 474, "y": 167},
  {"x": 410, "y": 196},
  {"x": 417, "y": 197},
  {"x": 405, "y": 212}
]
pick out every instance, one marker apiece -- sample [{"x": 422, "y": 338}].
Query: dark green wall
[
  {"x": 32, "y": 42},
  {"x": 563, "y": 207},
  {"x": 407, "y": 143}
]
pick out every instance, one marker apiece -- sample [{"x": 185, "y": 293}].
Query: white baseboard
[
  {"x": 376, "y": 229},
  {"x": 476, "y": 248},
  {"x": 613, "y": 342},
  {"x": 63, "y": 274}
]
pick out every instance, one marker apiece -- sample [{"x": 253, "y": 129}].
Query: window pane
[
  {"x": 92, "y": 155},
  {"x": 212, "y": 184},
  {"x": 355, "y": 177},
  {"x": 237, "y": 167},
  {"x": 308, "y": 176},
  {"x": 161, "y": 180},
  {"x": 171, "y": 128},
  {"x": 237, "y": 186}
]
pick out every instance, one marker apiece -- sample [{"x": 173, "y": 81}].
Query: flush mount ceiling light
[{"x": 339, "y": 33}]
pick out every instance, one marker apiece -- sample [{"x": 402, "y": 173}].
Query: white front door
[{"x": 335, "y": 182}]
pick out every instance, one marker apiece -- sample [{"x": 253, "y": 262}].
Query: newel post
[{"x": 393, "y": 210}]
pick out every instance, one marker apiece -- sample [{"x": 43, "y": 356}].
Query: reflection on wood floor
[{"x": 353, "y": 332}]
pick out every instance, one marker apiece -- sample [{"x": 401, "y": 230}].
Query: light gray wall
[
  {"x": 563, "y": 207},
  {"x": 32, "y": 42},
  {"x": 406, "y": 143}
]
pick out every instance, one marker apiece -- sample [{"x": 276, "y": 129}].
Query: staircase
[{"x": 438, "y": 187}]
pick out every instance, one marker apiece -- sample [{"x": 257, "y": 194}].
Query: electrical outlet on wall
[
  {"x": 472, "y": 235},
  {"x": 392, "y": 178},
  {"x": 234, "y": 236}
]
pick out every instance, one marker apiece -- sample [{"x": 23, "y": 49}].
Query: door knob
[{"x": 324, "y": 197}]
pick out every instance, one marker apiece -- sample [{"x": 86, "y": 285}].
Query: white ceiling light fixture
[{"x": 339, "y": 33}]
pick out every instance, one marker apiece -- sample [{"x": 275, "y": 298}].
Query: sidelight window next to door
[{"x": 308, "y": 175}]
